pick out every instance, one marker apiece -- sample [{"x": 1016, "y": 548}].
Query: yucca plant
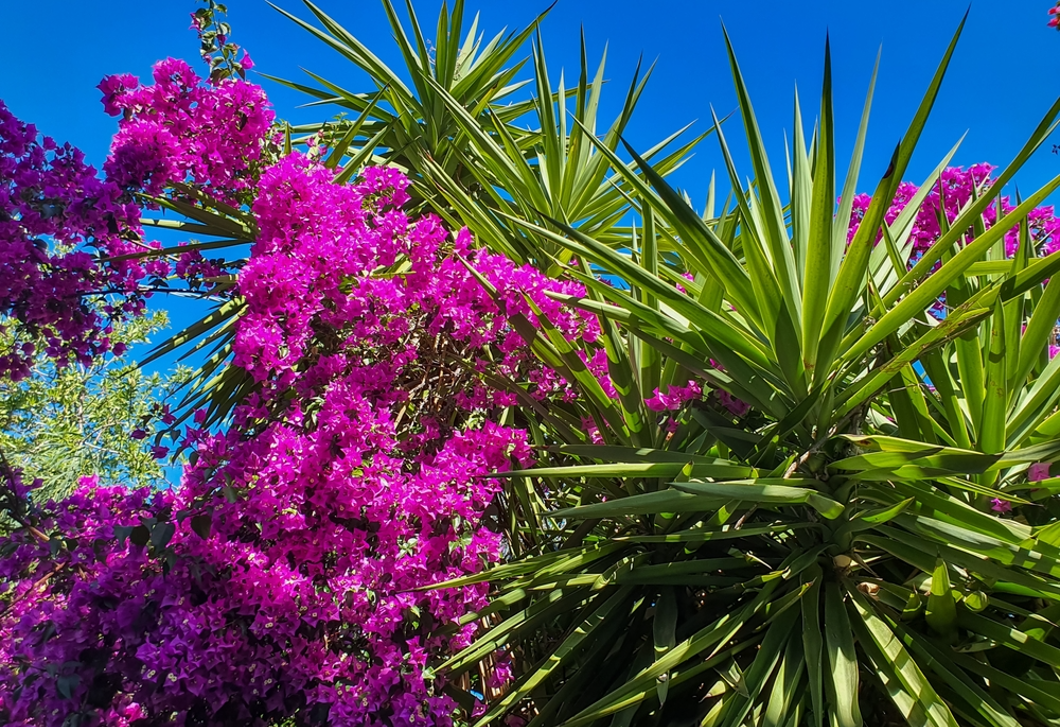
[
  {"x": 479, "y": 141},
  {"x": 830, "y": 555}
]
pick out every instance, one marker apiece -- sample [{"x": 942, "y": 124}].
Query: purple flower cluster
[
  {"x": 312, "y": 269},
  {"x": 675, "y": 397},
  {"x": 56, "y": 218},
  {"x": 299, "y": 600},
  {"x": 280, "y": 578},
  {"x": 183, "y": 130},
  {"x": 948, "y": 197},
  {"x": 69, "y": 239}
]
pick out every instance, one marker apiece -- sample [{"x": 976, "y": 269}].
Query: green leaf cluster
[
  {"x": 59, "y": 424},
  {"x": 832, "y": 556}
]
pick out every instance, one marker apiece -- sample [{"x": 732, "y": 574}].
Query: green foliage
[
  {"x": 60, "y": 424},
  {"x": 456, "y": 119},
  {"x": 214, "y": 46},
  {"x": 831, "y": 555}
]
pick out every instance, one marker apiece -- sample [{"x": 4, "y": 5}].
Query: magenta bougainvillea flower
[
  {"x": 1038, "y": 472},
  {"x": 281, "y": 576},
  {"x": 55, "y": 212},
  {"x": 950, "y": 194},
  {"x": 1000, "y": 506}
]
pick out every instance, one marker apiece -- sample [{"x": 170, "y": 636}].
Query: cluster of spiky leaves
[
  {"x": 837, "y": 554},
  {"x": 873, "y": 540}
]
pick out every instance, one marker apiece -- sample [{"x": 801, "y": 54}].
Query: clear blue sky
[
  {"x": 1004, "y": 74},
  {"x": 1003, "y": 78}
]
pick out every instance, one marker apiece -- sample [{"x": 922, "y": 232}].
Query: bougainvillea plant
[
  {"x": 278, "y": 580},
  {"x": 55, "y": 212}
]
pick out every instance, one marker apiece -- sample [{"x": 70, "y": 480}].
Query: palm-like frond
[
  {"x": 465, "y": 134},
  {"x": 830, "y": 556}
]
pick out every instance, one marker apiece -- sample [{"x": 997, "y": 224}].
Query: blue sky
[{"x": 1003, "y": 78}]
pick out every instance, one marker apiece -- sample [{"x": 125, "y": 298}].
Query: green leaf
[
  {"x": 773, "y": 228},
  {"x": 664, "y": 631},
  {"x": 139, "y": 535},
  {"x": 902, "y": 678},
  {"x": 65, "y": 685},
  {"x": 1011, "y": 638},
  {"x": 161, "y": 534},
  {"x": 766, "y": 491},
  {"x": 813, "y": 640},
  {"x": 703, "y": 468},
  {"x": 941, "y": 613},
  {"x": 784, "y": 701},
  {"x": 842, "y": 660},
  {"x": 818, "y": 273},
  {"x": 645, "y": 504},
  {"x": 201, "y": 525}
]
